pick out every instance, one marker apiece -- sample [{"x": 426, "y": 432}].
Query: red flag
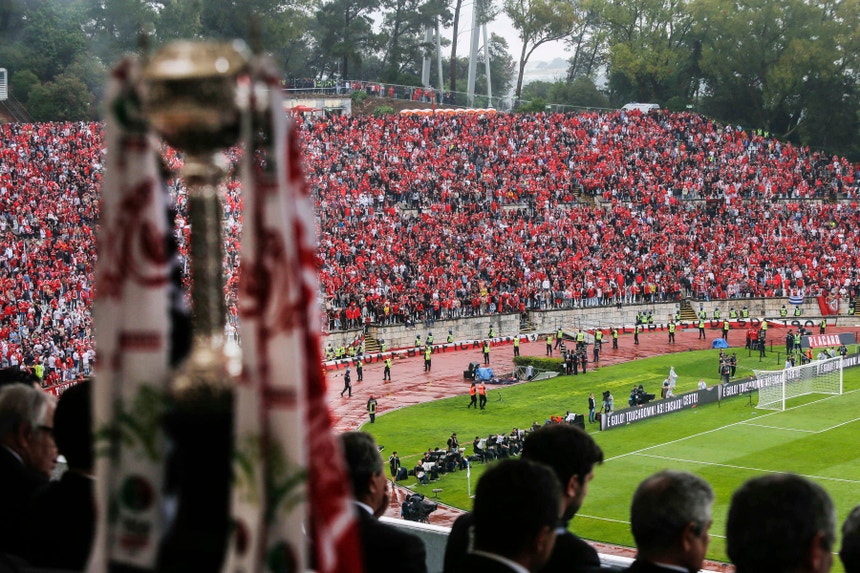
[
  {"x": 132, "y": 327},
  {"x": 281, "y": 412}
]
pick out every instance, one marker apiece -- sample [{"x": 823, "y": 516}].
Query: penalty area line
[
  {"x": 746, "y": 468},
  {"x": 711, "y": 431}
]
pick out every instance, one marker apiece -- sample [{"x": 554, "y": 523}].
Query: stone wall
[{"x": 588, "y": 318}]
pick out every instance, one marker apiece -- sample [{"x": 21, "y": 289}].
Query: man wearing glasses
[{"x": 27, "y": 454}]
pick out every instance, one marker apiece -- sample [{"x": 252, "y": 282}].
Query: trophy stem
[{"x": 199, "y": 420}]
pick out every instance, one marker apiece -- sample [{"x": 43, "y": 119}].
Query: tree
[
  {"x": 538, "y": 22},
  {"x": 116, "y": 26},
  {"x": 587, "y": 42},
  {"x": 52, "y": 38},
  {"x": 404, "y": 24},
  {"x": 650, "y": 54},
  {"x": 343, "y": 32},
  {"x": 773, "y": 63},
  {"x": 579, "y": 93},
  {"x": 65, "y": 99},
  {"x": 502, "y": 72}
]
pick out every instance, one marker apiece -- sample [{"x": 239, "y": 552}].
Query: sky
[{"x": 503, "y": 27}]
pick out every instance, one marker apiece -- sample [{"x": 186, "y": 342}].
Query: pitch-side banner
[
  {"x": 657, "y": 408},
  {"x": 826, "y": 340},
  {"x": 692, "y": 399}
]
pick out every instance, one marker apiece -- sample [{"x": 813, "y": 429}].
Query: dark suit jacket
[
  {"x": 69, "y": 506},
  {"x": 389, "y": 549},
  {"x": 17, "y": 486},
  {"x": 479, "y": 564},
  {"x": 570, "y": 554},
  {"x": 640, "y": 566}
]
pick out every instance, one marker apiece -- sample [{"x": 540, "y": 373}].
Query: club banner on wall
[
  {"x": 827, "y": 340},
  {"x": 657, "y": 408},
  {"x": 689, "y": 400}
]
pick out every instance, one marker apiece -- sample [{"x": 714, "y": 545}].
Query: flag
[
  {"x": 132, "y": 331},
  {"x": 283, "y": 496},
  {"x": 795, "y": 299},
  {"x": 828, "y": 305}
]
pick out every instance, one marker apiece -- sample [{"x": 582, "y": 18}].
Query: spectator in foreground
[
  {"x": 781, "y": 523},
  {"x": 27, "y": 456},
  {"x": 670, "y": 517},
  {"x": 572, "y": 454},
  {"x": 850, "y": 552},
  {"x": 513, "y": 533},
  {"x": 383, "y": 546},
  {"x": 68, "y": 504}
]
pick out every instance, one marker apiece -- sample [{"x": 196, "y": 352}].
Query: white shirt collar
[
  {"x": 495, "y": 557},
  {"x": 672, "y": 567},
  {"x": 365, "y": 507}
]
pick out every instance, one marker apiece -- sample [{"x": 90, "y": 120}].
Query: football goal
[{"x": 817, "y": 377}]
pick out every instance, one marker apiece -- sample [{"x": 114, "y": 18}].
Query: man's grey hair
[
  {"x": 362, "y": 460},
  {"x": 850, "y": 552},
  {"x": 21, "y": 404},
  {"x": 664, "y": 504},
  {"x": 772, "y": 521}
]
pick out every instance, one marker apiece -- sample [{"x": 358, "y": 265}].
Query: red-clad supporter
[
  {"x": 447, "y": 216},
  {"x": 49, "y": 178}
]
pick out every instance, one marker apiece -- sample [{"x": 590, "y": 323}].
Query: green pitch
[{"x": 726, "y": 444}]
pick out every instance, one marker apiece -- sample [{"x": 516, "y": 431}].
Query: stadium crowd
[
  {"x": 458, "y": 215},
  {"x": 49, "y": 183}
]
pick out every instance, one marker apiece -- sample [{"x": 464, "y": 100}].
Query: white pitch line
[
  {"x": 840, "y": 425},
  {"x": 706, "y": 432},
  {"x": 781, "y": 428},
  {"x": 621, "y": 521},
  {"x": 734, "y": 467}
]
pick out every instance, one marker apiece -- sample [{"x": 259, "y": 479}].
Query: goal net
[{"x": 817, "y": 377}]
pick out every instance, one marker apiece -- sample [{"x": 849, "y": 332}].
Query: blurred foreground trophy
[
  {"x": 171, "y": 430},
  {"x": 192, "y": 99}
]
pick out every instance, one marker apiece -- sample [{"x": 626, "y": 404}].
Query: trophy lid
[{"x": 193, "y": 98}]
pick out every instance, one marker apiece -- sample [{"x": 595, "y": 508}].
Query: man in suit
[
  {"x": 27, "y": 455},
  {"x": 670, "y": 517},
  {"x": 572, "y": 454},
  {"x": 850, "y": 551},
  {"x": 518, "y": 533},
  {"x": 383, "y": 546},
  {"x": 781, "y": 523},
  {"x": 69, "y": 504}
]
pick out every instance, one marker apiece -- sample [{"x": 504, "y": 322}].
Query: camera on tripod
[{"x": 416, "y": 508}]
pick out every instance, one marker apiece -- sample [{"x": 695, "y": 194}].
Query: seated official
[
  {"x": 68, "y": 504},
  {"x": 383, "y": 547},
  {"x": 27, "y": 456},
  {"x": 519, "y": 533},
  {"x": 420, "y": 474}
]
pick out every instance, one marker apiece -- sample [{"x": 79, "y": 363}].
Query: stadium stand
[{"x": 452, "y": 216}]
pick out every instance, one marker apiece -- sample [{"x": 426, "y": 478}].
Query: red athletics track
[{"x": 411, "y": 385}]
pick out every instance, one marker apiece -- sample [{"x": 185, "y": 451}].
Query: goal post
[{"x": 817, "y": 377}]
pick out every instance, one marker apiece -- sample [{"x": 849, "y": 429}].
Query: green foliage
[
  {"x": 676, "y": 103},
  {"x": 725, "y": 443},
  {"x": 65, "y": 99},
  {"x": 536, "y": 90},
  {"x": 535, "y": 106},
  {"x": 502, "y": 71},
  {"x": 23, "y": 83},
  {"x": 538, "y": 22},
  {"x": 580, "y": 93},
  {"x": 539, "y": 362},
  {"x": 383, "y": 110},
  {"x": 358, "y": 97}
]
